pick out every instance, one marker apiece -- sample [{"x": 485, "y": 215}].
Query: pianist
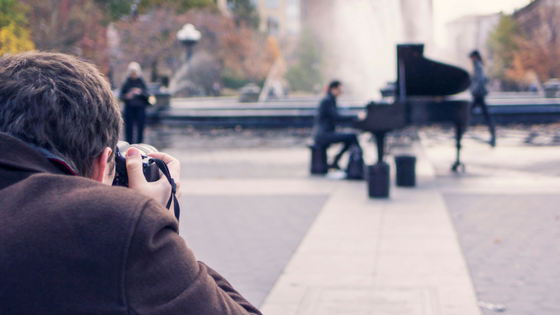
[{"x": 325, "y": 124}]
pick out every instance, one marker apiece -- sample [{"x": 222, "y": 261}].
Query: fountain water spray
[{"x": 360, "y": 38}]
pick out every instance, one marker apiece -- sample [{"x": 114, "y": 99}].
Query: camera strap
[{"x": 163, "y": 167}]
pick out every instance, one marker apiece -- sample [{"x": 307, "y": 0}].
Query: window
[
  {"x": 272, "y": 25},
  {"x": 272, "y": 4},
  {"x": 293, "y": 19}
]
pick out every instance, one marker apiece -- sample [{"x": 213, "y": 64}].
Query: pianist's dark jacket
[{"x": 327, "y": 116}]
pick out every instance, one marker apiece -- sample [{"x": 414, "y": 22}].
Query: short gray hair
[
  {"x": 59, "y": 103},
  {"x": 134, "y": 67}
]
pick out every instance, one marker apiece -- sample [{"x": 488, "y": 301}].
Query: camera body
[{"x": 150, "y": 169}]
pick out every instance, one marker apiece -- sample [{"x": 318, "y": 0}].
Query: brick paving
[
  {"x": 509, "y": 237},
  {"x": 511, "y": 247}
]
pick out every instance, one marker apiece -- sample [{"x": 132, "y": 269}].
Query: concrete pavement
[
  {"x": 506, "y": 211},
  {"x": 353, "y": 255},
  {"x": 295, "y": 244},
  {"x": 364, "y": 256}
]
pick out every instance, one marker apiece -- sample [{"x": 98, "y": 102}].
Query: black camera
[{"x": 151, "y": 170}]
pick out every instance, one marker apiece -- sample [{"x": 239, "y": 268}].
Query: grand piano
[{"x": 424, "y": 94}]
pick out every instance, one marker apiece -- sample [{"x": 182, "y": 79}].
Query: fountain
[{"x": 360, "y": 37}]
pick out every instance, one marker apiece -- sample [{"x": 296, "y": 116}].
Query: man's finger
[
  {"x": 172, "y": 163},
  {"x": 134, "y": 167},
  {"x": 163, "y": 156}
]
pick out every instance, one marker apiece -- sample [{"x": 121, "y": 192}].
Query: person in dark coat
[
  {"x": 71, "y": 243},
  {"x": 326, "y": 119},
  {"x": 479, "y": 91},
  {"x": 134, "y": 94}
]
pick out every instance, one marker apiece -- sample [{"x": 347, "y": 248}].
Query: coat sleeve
[
  {"x": 144, "y": 88},
  {"x": 124, "y": 89},
  {"x": 478, "y": 85},
  {"x": 162, "y": 275},
  {"x": 334, "y": 114}
]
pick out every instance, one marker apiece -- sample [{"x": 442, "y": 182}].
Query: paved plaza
[{"x": 296, "y": 244}]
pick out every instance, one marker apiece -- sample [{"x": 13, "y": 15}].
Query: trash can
[
  {"x": 319, "y": 164},
  {"x": 406, "y": 170},
  {"x": 378, "y": 179}
]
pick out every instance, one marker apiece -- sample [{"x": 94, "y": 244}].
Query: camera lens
[{"x": 145, "y": 149}]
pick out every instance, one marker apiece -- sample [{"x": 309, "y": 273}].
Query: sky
[{"x": 448, "y": 10}]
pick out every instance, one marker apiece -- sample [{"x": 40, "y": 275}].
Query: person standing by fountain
[
  {"x": 135, "y": 95},
  {"x": 479, "y": 91},
  {"x": 325, "y": 124}
]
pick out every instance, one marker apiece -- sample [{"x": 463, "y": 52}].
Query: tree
[
  {"x": 80, "y": 26},
  {"x": 241, "y": 54},
  {"x": 502, "y": 45},
  {"x": 14, "y": 40},
  {"x": 539, "y": 47},
  {"x": 245, "y": 13},
  {"x": 306, "y": 73},
  {"x": 14, "y": 36},
  {"x": 57, "y": 25},
  {"x": 180, "y": 6},
  {"x": 115, "y": 9},
  {"x": 521, "y": 52}
]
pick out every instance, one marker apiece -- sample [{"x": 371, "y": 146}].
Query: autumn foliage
[
  {"x": 239, "y": 51},
  {"x": 76, "y": 27},
  {"x": 528, "y": 50},
  {"x": 70, "y": 26},
  {"x": 539, "y": 48},
  {"x": 14, "y": 35}
]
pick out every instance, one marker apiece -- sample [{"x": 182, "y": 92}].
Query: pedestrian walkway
[
  {"x": 296, "y": 244},
  {"x": 367, "y": 256}
]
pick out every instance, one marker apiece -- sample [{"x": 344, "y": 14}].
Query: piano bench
[{"x": 319, "y": 164}]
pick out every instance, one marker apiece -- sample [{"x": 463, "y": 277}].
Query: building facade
[
  {"x": 540, "y": 16},
  {"x": 469, "y": 33}
]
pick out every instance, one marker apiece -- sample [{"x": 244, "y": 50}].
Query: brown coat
[{"x": 70, "y": 245}]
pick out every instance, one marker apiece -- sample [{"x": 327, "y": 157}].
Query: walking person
[
  {"x": 479, "y": 91},
  {"x": 134, "y": 93},
  {"x": 326, "y": 120}
]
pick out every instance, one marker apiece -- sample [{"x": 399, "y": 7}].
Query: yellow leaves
[
  {"x": 14, "y": 39},
  {"x": 272, "y": 49}
]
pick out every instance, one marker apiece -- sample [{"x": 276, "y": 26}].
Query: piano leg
[
  {"x": 380, "y": 141},
  {"x": 459, "y": 130}
]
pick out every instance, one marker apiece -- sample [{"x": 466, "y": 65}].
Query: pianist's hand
[{"x": 362, "y": 115}]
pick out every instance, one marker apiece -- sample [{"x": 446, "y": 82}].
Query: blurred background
[{"x": 288, "y": 47}]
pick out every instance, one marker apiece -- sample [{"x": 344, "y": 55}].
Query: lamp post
[{"x": 189, "y": 36}]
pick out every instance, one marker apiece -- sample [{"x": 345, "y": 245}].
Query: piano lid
[{"x": 425, "y": 77}]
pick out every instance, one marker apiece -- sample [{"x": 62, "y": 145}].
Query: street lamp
[{"x": 189, "y": 36}]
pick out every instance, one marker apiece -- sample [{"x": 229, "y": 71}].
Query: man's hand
[
  {"x": 132, "y": 93},
  {"x": 362, "y": 115},
  {"x": 159, "y": 190}
]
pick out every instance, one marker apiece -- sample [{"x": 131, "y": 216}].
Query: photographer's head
[{"x": 62, "y": 104}]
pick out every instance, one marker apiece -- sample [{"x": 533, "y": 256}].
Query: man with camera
[{"x": 69, "y": 242}]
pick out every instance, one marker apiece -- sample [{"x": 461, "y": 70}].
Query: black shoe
[
  {"x": 334, "y": 165},
  {"x": 492, "y": 141}
]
